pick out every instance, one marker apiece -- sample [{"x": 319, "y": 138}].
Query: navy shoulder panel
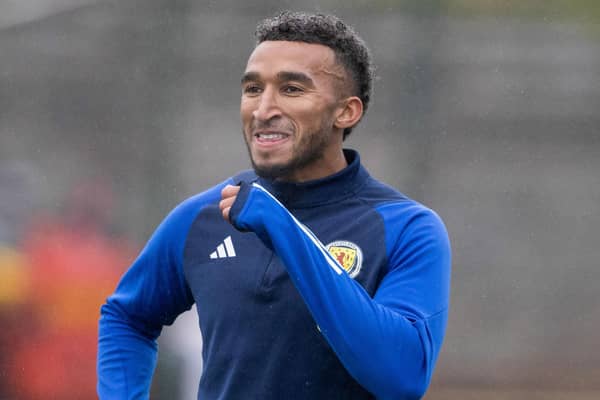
[{"x": 376, "y": 193}]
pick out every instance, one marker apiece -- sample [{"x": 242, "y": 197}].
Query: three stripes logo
[{"x": 224, "y": 250}]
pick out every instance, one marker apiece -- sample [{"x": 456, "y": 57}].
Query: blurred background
[{"x": 112, "y": 112}]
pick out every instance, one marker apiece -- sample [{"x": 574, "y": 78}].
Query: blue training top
[{"x": 331, "y": 289}]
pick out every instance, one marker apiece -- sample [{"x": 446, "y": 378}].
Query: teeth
[{"x": 271, "y": 136}]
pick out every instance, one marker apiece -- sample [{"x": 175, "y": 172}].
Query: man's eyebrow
[
  {"x": 295, "y": 76},
  {"x": 250, "y": 77},
  {"x": 282, "y": 76}
]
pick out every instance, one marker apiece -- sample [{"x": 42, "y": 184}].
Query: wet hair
[{"x": 350, "y": 50}]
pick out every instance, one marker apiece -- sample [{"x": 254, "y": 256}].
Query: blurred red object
[{"x": 74, "y": 264}]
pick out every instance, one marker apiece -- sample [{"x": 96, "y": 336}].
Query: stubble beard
[{"x": 309, "y": 150}]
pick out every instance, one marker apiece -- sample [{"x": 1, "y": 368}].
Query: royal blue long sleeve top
[{"x": 334, "y": 288}]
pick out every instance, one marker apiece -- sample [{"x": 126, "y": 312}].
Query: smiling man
[
  {"x": 312, "y": 279},
  {"x": 296, "y": 102}
]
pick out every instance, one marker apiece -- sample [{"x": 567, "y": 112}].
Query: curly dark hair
[{"x": 350, "y": 50}]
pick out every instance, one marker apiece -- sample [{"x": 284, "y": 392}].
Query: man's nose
[{"x": 267, "y": 106}]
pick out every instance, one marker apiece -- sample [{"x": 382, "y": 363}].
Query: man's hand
[{"x": 228, "y": 196}]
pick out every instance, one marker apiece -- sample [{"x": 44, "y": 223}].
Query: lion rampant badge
[{"x": 348, "y": 255}]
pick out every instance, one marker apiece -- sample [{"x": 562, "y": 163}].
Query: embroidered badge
[{"x": 348, "y": 255}]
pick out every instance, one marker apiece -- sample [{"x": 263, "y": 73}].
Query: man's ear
[{"x": 349, "y": 113}]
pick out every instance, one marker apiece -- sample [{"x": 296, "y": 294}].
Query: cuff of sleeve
[{"x": 238, "y": 206}]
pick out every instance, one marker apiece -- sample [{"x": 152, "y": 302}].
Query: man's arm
[
  {"x": 151, "y": 294},
  {"x": 388, "y": 343}
]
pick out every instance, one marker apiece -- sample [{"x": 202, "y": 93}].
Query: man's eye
[
  {"x": 292, "y": 89},
  {"x": 252, "y": 89}
]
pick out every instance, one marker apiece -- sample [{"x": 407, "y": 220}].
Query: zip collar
[{"x": 331, "y": 189}]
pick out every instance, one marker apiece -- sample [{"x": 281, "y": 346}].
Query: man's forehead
[{"x": 294, "y": 56}]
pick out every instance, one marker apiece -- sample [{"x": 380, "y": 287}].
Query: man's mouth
[{"x": 269, "y": 137}]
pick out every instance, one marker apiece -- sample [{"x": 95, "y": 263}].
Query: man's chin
[{"x": 272, "y": 171}]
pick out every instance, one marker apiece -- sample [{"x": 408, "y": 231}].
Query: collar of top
[{"x": 330, "y": 189}]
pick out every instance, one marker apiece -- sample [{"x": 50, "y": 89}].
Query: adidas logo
[{"x": 224, "y": 250}]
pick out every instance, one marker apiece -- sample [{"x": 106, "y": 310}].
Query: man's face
[{"x": 290, "y": 100}]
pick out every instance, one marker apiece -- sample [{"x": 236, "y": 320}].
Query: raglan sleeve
[
  {"x": 389, "y": 342},
  {"x": 151, "y": 294}
]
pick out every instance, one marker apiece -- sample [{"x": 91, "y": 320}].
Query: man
[{"x": 312, "y": 279}]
